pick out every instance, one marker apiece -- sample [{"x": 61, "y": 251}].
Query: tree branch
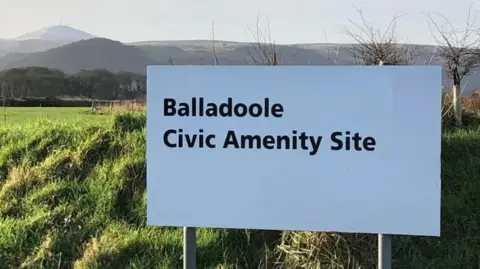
[
  {"x": 375, "y": 46},
  {"x": 264, "y": 50}
]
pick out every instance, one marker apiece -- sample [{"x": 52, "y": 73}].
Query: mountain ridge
[
  {"x": 103, "y": 53},
  {"x": 96, "y": 53}
]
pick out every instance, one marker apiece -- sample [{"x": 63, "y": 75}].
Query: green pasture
[{"x": 15, "y": 115}]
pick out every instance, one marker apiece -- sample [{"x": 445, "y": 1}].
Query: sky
[{"x": 290, "y": 21}]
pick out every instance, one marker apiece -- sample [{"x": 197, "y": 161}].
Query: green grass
[
  {"x": 72, "y": 195},
  {"x": 16, "y": 115},
  {"x": 75, "y": 194}
]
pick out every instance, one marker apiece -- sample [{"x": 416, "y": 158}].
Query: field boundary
[{"x": 60, "y": 102}]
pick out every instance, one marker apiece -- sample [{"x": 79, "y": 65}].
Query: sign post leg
[
  {"x": 384, "y": 240},
  {"x": 384, "y": 251},
  {"x": 189, "y": 248}
]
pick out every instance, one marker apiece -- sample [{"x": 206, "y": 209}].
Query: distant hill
[
  {"x": 42, "y": 39},
  {"x": 88, "y": 54},
  {"x": 164, "y": 53},
  {"x": 56, "y": 33},
  {"x": 11, "y": 57},
  {"x": 52, "y": 50},
  {"x": 8, "y": 46}
]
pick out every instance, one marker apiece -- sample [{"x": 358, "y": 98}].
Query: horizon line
[
  {"x": 180, "y": 40},
  {"x": 205, "y": 40}
]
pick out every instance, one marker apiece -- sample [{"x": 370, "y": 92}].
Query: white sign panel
[{"x": 344, "y": 148}]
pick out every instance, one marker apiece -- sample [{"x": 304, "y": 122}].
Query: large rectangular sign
[{"x": 317, "y": 148}]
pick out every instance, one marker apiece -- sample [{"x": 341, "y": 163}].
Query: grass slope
[
  {"x": 72, "y": 195},
  {"x": 75, "y": 194}
]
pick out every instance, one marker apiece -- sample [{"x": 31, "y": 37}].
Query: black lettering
[
  {"x": 315, "y": 144},
  {"x": 169, "y": 107},
  {"x": 359, "y": 143},
  {"x": 227, "y": 106},
  {"x": 267, "y": 104},
  {"x": 212, "y": 110},
  {"x": 369, "y": 141},
  {"x": 231, "y": 139},
  {"x": 190, "y": 140},
  {"x": 251, "y": 139},
  {"x": 208, "y": 141},
  {"x": 347, "y": 140},
  {"x": 201, "y": 139},
  {"x": 269, "y": 142},
  {"x": 356, "y": 139},
  {"x": 285, "y": 139},
  {"x": 183, "y": 110},
  {"x": 180, "y": 138},
  {"x": 243, "y": 111},
  {"x": 336, "y": 140},
  {"x": 294, "y": 139},
  {"x": 252, "y": 112},
  {"x": 165, "y": 138},
  {"x": 200, "y": 109},
  {"x": 303, "y": 141},
  {"x": 277, "y": 110},
  {"x": 193, "y": 107}
]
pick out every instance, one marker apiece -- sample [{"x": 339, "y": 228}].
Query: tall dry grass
[
  {"x": 470, "y": 111},
  {"x": 118, "y": 106}
]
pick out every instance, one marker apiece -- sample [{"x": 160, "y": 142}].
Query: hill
[
  {"x": 52, "y": 48},
  {"x": 96, "y": 53},
  {"x": 8, "y": 46},
  {"x": 42, "y": 39},
  {"x": 56, "y": 33}
]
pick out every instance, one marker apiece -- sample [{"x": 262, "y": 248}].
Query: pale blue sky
[{"x": 291, "y": 21}]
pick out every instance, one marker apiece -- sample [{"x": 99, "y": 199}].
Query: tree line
[{"x": 42, "y": 82}]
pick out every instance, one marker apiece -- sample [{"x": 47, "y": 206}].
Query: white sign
[{"x": 317, "y": 148}]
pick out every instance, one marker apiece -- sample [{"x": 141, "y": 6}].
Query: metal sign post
[
  {"x": 189, "y": 248},
  {"x": 384, "y": 251},
  {"x": 384, "y": 240}
]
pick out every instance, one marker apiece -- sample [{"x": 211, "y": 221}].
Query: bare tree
[
  {"x": 329, "y": 54},
  {"x": 328, "y": 45},
  {"x": 375, "y": 46},
  {"x": 460, "y": 49},
  {"x": 264, "y": 50}
]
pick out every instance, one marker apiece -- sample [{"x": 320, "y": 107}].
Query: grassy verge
[
  {"x": 75, "y": 194},
  {"x": 72, "y": 195}
]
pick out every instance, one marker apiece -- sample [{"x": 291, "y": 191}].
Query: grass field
[
  {"x": 15, "y": 115},
  {"x": 72, "y": 195}
]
